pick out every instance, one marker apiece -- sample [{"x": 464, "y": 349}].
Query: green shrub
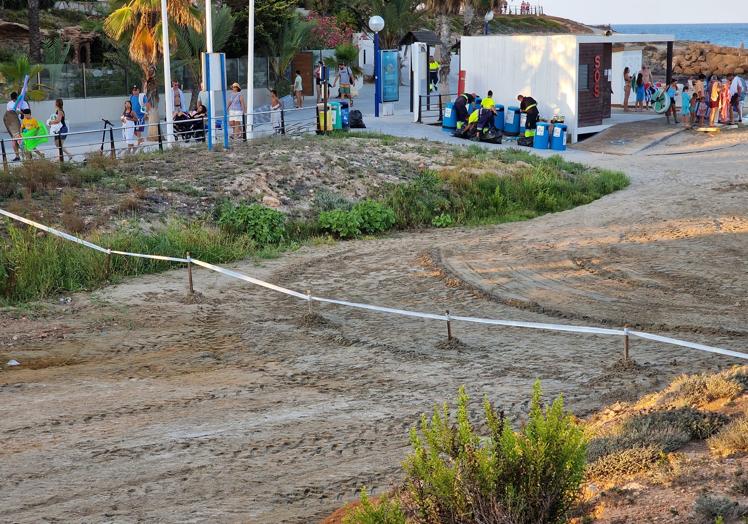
[
  {"x": 8, "y": 185},
  {"x": 443, "y": 220},
  {"x": 38, "y": 174},
  {"x": 455, "y": 475},
  {"x": 263, "y": 225},
  {"x": 325, "y": 200},
  {"x": 624, "y": 463},
  {"x": 386, "y": 511},
  {"x": 343, "y": 224},
  {"x": 366, "y": 217},
  {"x": 375, "y": 217}
]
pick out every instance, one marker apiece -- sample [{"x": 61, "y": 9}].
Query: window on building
[{"x": 584, "y": 77}]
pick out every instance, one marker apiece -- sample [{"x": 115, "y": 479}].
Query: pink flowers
[{"x": 328, "y": 32}]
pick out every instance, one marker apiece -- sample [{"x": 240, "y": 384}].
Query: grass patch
[
  {"x": 34, "y": 265},
  {"x": 731, "y": 439}
]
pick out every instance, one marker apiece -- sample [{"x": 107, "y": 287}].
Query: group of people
[
  {"x": 477, "y": 122},
  {"x": 28, "y": 133},
  {"x": 344, "y": 78},
  {"x": 703, "y": 100}
]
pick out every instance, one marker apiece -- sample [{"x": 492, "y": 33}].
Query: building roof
[
  {"x": 615, "y": 38},
  {"x": 422, "y": 35}
]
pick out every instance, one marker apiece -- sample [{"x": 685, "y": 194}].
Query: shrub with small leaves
[
  {"x": 624, "y": 463},
  {"x": 443, "y": 220},
  {"x": 263, "y": 225},
  {"x": 340, "y": 223},
  {"x": 375, "y": 217},
  {"x": 385, "y": 511},
  {"x": 708, "y": 508},
  {"x": 731, "y": 439}
]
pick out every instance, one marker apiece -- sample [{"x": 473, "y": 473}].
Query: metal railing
[
  {"x": 120, "y": 140},
  {"x": 432, "y": 106}
]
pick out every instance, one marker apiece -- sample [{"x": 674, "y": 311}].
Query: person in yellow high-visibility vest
[
  {"x": 488, "y": 102},
  {"x": 433, "y": 73}
]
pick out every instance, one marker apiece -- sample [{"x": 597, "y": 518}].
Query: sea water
[{"x": 731, "y": 35}]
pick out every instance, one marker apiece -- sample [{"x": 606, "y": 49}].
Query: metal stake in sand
[
  {"x": 189, "y": 273},
  {"x": 449, "y": 326},
  {"x": 626, "y": 342}
]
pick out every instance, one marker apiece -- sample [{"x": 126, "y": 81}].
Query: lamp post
[
  {"x": 168, "y": 92},
  {"x": 486, "y": 20},
  {"x": 251, "y": 69},
  {"x": 376, "y": 24}
]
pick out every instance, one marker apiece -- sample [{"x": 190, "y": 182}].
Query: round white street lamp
[{"x": 376, "y": 24}]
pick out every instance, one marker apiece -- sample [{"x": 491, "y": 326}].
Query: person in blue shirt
[
  {"x": 672, "y": 92},
  {"x": 685, "y": 110},
  {"x": 136, "y": 100}
]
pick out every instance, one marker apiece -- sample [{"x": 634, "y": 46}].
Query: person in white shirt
[
  {"x": 737, "y": 95},
  {"x": 298, "y": 90},
  {"x": 12, "y": 121}
]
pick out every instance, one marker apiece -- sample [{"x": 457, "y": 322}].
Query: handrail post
[
  {"x": 283, "y": 122},
  {"x": 160, "y": 138},
  {"x": 59, "y": 148},
  {"x": 5, "y": 155},
  {"x": 441, "y": 114},
  {"x": 419, "y": 108},
  {"x": 113, "y": 151},
  {"x": 244, "y": 127}
]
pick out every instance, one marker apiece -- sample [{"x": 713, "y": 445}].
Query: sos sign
[{"x": 596, "y": 77}]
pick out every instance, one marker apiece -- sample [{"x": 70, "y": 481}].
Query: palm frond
[{"x": 120, "y": 21}]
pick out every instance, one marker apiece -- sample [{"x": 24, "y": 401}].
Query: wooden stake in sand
[
  {"x": 449, "y": 327},
  {"x": 626, "y": 342},
  {"x": 189, "y": 274}
]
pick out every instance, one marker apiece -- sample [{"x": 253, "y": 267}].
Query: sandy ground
[{"x": 146, "y": 407}]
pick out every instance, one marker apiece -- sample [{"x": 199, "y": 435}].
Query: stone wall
[{"x": 711, "y": 59}]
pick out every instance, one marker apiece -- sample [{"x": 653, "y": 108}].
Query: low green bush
[
  {"x": 366, "y": 217},
  {"x": 623, "y": 463},
  {"x": 385, "y": 511},
  {"x": 263, "y": 225},
  {"x": 731, "y": 439},
  {"x": 456, "y": 475},
  {"x": 709, "y": 509}
]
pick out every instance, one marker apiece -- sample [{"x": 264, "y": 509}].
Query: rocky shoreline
[{"x": 693, "y": 58}]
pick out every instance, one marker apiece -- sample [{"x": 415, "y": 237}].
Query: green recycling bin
[{"x": 335, "y": 107}]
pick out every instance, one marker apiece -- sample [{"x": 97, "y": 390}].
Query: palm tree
[
  {"x": 400, "y": 16},
  {"x": 444, "y": 9},
  {"x": 35, "y": 36},
  {"x": 292, "y": 39},
  {"x": 347, "y": 55},
  {"x": 191, "y": 43},
  {"x": 139, "y": 22},
  {"x": 13, "y": 74}
]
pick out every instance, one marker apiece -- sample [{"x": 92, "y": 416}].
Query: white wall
[
  {"x": 544, "y": 67},
  {"x": 631, "y": 58},
  {"x": 91, "y": 110}
]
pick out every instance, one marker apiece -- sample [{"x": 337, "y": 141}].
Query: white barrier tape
[
  {"x": 53, "y": 231},
  {"x": 537, "y": 325},
  {"x": 241, "y": 276},
  {"x": 686, "y": 344},
  {"x": 403, "y": 312},
  {"x": 153, "y": 257},
  {"x": 381, "y": 309}
]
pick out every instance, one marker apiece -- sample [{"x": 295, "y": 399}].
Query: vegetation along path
[{"x": 237, "y": 406}]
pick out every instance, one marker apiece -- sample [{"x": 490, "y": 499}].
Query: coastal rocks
[{"x": 711, "y": 59}]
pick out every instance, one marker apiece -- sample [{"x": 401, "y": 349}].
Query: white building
[{"x": 569, "y": 75}]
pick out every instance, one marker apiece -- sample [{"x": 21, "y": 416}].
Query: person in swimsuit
[{"x": 59, "y": 128}]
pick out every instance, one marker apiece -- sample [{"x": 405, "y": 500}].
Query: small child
[
  {"x": 33, "y": 133},
  {"x": 672, "y": 92},
  {"x": 701, "y": 110},
  {"x": 685, "y": 111},
  {"x": 694, "y": 107}
]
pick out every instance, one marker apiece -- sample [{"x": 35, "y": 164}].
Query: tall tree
[
  {"x": 444, "y": 10},
  {"x": 400, "y": 16},
  {"x": 35, "y": 36},
  {"x": 191, "y": 43},
  {"x": 139, "y": 23},
  {"x": 292, "y": 39}
]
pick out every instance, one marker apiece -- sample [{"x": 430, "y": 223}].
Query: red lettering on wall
[{"x": 596, "y": 76}]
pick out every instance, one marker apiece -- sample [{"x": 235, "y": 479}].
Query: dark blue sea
[{"x": 721, "y": 34}]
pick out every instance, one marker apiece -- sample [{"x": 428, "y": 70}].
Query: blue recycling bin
[
  {"x": 449, "y": 118},
  {"x": 558, "y": 138},
  {"x": 345, "y": 115},
  {"x": 522, "y": 124},
  {"x": 498, "y": 120},
  {"x": 475, "y": 105},
  {"x": 542, "y": 136},
  {"x": 511, "y": 121}
]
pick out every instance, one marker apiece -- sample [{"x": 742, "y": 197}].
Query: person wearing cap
[
  {"x": 237, "y": 109},
  {"x": 137, "y": 100}
]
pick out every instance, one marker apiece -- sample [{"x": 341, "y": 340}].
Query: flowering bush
[{"x": 328, "y": 32}]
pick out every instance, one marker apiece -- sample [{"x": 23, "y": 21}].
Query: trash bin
[
  {"x": 345, "y": 115},
  {"x": 475, "y": 105},
  {"x": 498, "y": 121},
  {"x": 558, "y": 140},
  {"x": 326, "y": 123},
  {"x": 522, "y": 124},
  {"x": 449, "y": 119},
  {"x": 335, "y": 107},
  {"x": 542, "y": 136},
  {"x": 511, "y": 122}
]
